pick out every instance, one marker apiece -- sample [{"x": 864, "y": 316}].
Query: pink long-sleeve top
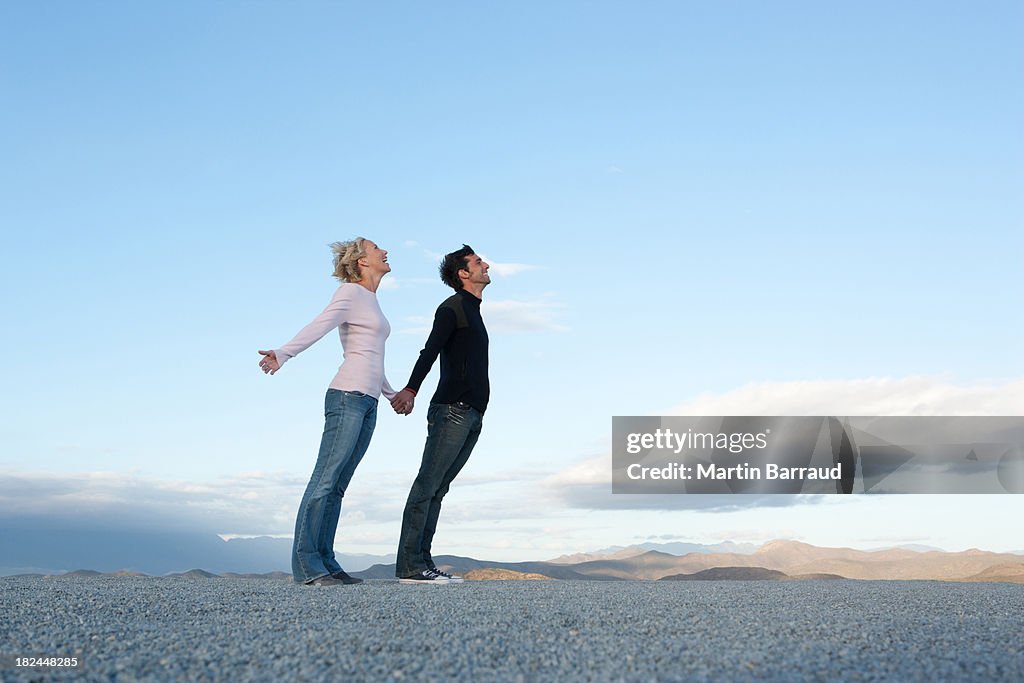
[{"x": 363, "y": 329}]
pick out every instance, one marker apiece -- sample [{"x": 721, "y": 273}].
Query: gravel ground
[{"x": 161, "y": 629}]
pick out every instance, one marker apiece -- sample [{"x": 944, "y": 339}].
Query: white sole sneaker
[
  {"x": 424, "y": 582},
  {"x": 451, "y": 578},
  {"x": 425, "y": 577}
]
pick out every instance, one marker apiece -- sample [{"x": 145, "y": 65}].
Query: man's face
[{"x": 477, "y": 269}]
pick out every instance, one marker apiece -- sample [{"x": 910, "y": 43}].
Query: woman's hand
[
  {"x": 403, "y": 402},
  {"x": 269, "y": 364}
]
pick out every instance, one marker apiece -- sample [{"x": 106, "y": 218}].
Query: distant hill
[
  {"x": 817, "y": 577},
  {"x": 729, "y": 574},
  {"x": 677, "y": 548},
  {"x": 649, "y": 565},
  {"x": 194, "y": 574},
  {"x": 492, "y": 574},
  {"x": 605, "y": 554},
  {"x": 916, "y": 547},
  {"x": 748, "y": 574},
  {"x": 1011, "y": 572}
]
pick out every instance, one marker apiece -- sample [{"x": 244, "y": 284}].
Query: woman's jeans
[
  {"x": 452, "y": 431},
  {"x": 349, "y": 419}
]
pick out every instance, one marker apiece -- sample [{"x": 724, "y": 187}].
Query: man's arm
[{"x": 444, "y": 327}]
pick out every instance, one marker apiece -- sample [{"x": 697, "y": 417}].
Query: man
[{"x": 456, "y": 410}]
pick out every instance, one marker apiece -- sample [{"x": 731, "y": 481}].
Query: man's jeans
[
  {"x": 452, "y": 431},
  {"x": 349, "y": 419}
]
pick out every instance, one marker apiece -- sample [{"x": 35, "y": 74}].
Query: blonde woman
[{"x": 350, "y": 408}]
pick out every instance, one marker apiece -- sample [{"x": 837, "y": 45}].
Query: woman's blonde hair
[{"x": 346, "y": 259}]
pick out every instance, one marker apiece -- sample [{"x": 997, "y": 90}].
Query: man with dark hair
[{"x": 456, "y": 410}]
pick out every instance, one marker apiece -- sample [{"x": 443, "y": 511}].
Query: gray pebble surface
[{"x": 181, "y": 629}]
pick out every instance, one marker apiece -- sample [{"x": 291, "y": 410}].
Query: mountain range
[
  {"x": 775, "y": 560},
  {"x": 791, "y": 558}
]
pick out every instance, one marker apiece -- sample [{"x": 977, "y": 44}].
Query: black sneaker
[
  {"x": 451, "y": 578},
  {"x": 424, "y": 577},
  {"x": 345, "y": 578},
  {"x": 325, "y": 581}
]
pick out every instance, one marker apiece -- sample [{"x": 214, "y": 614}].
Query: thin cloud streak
[
  {"x": 509, "y": 269},
  {"x": 922, "y": 395}
]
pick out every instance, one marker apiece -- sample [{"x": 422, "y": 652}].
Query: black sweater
[{"x": 460, "y": 337}]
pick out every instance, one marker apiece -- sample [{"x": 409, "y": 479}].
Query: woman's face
[{"x": 375, "y": 259}]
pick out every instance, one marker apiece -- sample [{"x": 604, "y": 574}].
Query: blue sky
[{"x": 683, "y": 200}]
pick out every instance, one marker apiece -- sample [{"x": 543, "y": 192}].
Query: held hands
[
  {"x": 269, "y": 364},
  {"x": 403, "y": 402}
]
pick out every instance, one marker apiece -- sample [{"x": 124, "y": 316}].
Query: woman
[{"x": 350, "y": 408}]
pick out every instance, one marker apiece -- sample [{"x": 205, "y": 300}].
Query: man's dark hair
[{"x": 453, "y": 263}]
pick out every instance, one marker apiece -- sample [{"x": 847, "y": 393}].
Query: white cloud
[
  {"x": 614, "y": 170},
  {"x": 508, "y": 269},
  {"x": 538, "y": 315},
  {"x": 253, "y": 502},
  {"x": 592, "y": 471},
  {"x": 872, "y": 396}
]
